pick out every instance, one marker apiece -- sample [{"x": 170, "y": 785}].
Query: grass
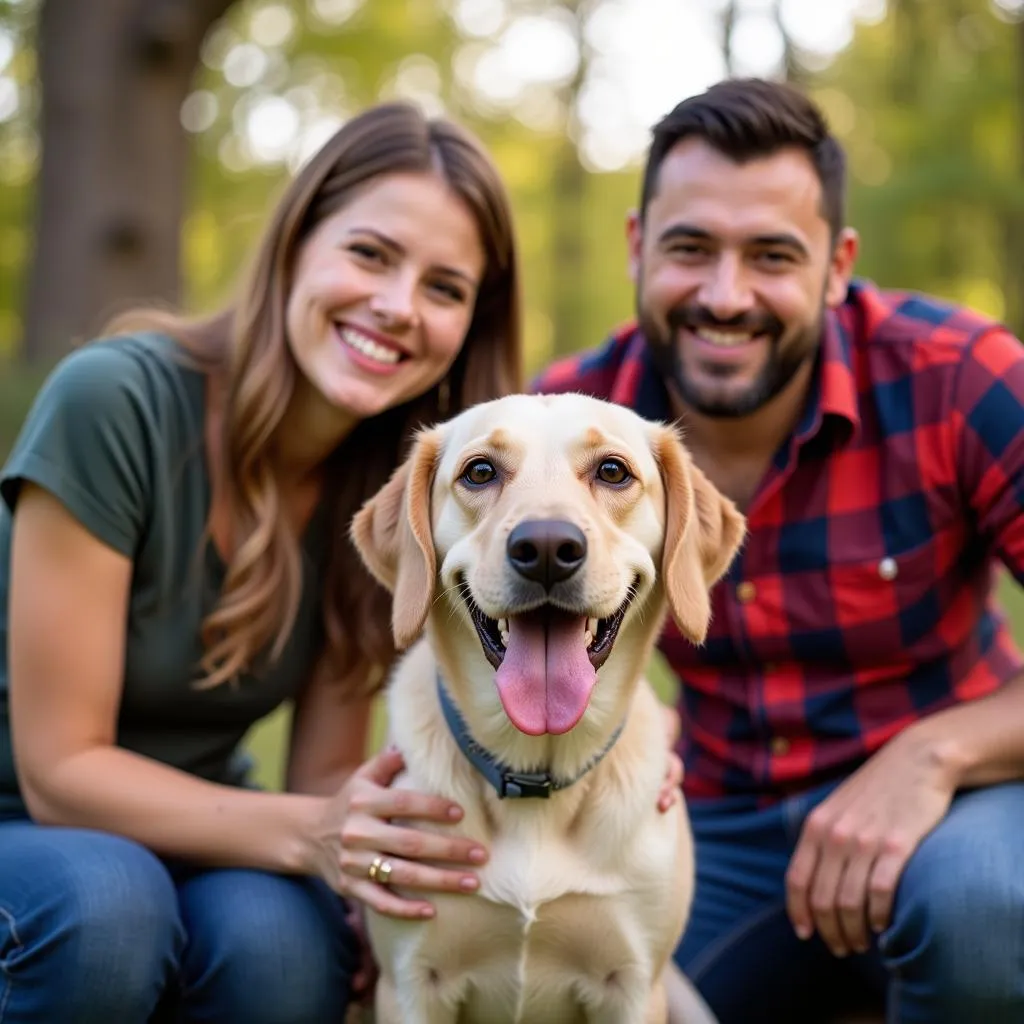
[
  {"x": 268, "y": 740},
  {"x": 18, "y": 386}
]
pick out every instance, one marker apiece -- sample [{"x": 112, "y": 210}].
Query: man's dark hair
[{"x": 748, "y": 118}]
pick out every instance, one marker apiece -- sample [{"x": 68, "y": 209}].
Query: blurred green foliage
[
  {"x": 927, "y": 100},
  {"x": 928, "y": 103}
]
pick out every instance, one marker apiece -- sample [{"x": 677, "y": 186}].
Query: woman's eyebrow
[{"x": 388, "y": 241}]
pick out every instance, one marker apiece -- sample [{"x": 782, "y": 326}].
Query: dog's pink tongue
[{"x": 545, "y": 679}]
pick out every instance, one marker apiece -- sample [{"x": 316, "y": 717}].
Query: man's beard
[{"x": 784, "y": 360}]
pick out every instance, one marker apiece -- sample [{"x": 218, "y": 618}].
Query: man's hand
[
  {"x": 856, "y": 843},
  {"x": 670, "y": 790}
]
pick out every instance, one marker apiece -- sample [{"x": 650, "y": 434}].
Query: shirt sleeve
[
  {"x": 560, "y": 376},
  {"x": 988, "y": 424},
  {"x": 86, "y": 440}
]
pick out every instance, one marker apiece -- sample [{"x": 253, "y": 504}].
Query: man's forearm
[{"x": 981, "y": 742}]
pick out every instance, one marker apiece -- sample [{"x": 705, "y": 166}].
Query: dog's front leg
[
  {"x": 684, "y": 1001},
  {"x": 657, "y": 1006},
  {"x": 634, "y": 1000},
  {"x": 413, "y": 1005},
  {"x": 385, "y": 1006}
]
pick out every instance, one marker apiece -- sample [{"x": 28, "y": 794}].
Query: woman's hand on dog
[{"x": 358, "y": 826}]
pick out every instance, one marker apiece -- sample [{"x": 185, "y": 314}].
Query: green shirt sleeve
[{"x": 87, "y": 440}]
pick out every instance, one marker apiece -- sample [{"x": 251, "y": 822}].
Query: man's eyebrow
[
  {"x": 390, "y": 243},
  {"x": 683, "y": 231},
  {"x": 691, "y": 231},
  {"x": 783, "y": 238}
]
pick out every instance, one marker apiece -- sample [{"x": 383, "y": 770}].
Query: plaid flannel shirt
[{"x": 862, "y": 599}]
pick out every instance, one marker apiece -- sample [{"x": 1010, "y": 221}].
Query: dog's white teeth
[
  {"x": 503, "y": 631},
  {"x": 592, "y": 627},
  {"x": 588, "y": 638}
]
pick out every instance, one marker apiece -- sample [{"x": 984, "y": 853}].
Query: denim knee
[
  {"x": 264, "y": 949},
  {"x": 955, "y": 948},
  {"x": 89, "y": 928}
]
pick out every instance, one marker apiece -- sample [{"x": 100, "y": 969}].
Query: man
[{"x": 854, "y": 726}]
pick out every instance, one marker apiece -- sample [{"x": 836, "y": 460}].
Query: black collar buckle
[{"x": 525, "y": 784}]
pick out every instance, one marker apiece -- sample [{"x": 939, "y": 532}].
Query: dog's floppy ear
[
  {"x": 392, "y": 533},
  {"x": 703, "y": 532}
]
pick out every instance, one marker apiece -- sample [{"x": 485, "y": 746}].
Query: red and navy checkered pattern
[{"x": 862, "y": 598}]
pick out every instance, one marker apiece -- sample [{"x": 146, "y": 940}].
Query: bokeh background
[{"x": 142, "y": 143}]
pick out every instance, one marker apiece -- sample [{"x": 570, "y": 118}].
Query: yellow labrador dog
[{"x": 541, "y": 540}]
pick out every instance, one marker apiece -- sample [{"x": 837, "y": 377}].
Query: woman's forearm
[{"x": 176, "y": 814}]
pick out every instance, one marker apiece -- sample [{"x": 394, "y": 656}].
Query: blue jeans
[
  {"x": 954, "y": 951},
  {"x": 94, "y": 928}
]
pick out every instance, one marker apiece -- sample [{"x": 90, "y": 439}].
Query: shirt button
[
  {"x": 888, "y": 569},
  {"x": 779, "y": 746},
  {"x": 745, "y": 592}
]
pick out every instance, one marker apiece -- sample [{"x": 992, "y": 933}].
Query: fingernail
[
  {"x": 478, "y": 855},
  {"x": 426, "y": 911},
  {"x": 803, "y": 932},
  {"x": 454, "y": 812},
  {"x": 468, "y": 882}
]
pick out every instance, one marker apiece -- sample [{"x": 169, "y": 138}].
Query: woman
[{"x": 175, "y": 563}]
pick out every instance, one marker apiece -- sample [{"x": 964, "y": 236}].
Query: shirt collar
[{"x": 832, "y": 399}]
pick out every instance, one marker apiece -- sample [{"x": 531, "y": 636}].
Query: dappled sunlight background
[
  {"x": 927, "y": 96},
  {"x": 924, "y": 94}
]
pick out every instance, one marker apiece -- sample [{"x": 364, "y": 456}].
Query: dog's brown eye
[
  {"x": 613, "y": 471},
  {"x": 479, "y": 472}
]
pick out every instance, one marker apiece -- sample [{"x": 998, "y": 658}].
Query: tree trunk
[
  {"x": 111, "y": 189},
  {"x": 792, "y": 71},
  {"x": 728, "y": 24},
  {"x": 568, "y": 198}
]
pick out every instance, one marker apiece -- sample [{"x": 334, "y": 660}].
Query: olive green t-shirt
[{"x": 116, "y": 434}]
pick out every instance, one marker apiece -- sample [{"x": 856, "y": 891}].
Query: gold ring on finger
[
  {"x": 384, "y": 872},
  {"x": 375, "y": 866}
]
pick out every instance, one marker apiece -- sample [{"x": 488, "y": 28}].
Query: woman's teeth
[
  {"x": 724, "y": 339},
  {"x": 368, "y": 347}
]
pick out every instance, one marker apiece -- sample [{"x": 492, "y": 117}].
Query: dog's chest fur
[{"x": 577, "y": 893}]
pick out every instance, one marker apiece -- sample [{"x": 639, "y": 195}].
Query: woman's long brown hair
[{"x": 245, "y": 347}]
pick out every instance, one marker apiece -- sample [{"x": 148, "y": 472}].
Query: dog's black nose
[{"x": 546, "y": 551}]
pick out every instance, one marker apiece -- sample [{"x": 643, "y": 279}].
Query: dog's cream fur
[{"x": 585, "y": 893}]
